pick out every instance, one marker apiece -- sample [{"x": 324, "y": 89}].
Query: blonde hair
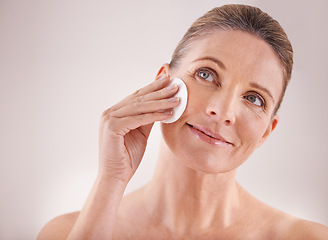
[{"x": 244, "y": 18}]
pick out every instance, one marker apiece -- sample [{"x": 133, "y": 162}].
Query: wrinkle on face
[{"x": 243, "y": 64}]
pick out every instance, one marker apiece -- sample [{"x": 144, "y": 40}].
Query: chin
[{"x": 196, "y": 154}]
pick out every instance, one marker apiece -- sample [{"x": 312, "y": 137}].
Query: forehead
[{"x": 244, "y": 56}]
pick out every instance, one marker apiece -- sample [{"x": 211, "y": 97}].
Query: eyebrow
[
  {"x": 217, "y": 61},
  {"x": 255, "y": 85}
]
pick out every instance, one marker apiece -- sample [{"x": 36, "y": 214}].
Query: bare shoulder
[
  {"x": 59, "y": 227},
  {"x": 307, "y": 230},
  {"x": 287, "y": 227},
  {"x": 277, "y": 224}
]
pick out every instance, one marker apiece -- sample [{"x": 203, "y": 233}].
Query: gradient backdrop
[{"x": 63, "y": 62}]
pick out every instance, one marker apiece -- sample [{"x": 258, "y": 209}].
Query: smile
[{"x": 208, "y": 136}]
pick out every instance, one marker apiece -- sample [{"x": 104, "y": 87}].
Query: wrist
[{"x": 111, "y": 182}]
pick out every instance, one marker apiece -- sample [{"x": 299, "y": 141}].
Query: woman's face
[{"x": 234, "y": 81}]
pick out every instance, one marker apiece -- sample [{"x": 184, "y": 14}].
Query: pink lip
[{"x": 209, "y": 136}]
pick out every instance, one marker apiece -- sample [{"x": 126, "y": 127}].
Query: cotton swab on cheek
[{"x": 183, "y": 95}]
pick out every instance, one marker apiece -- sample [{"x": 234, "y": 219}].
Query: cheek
[
  {"x": 251, "y": 128},
  {"x": 197, "y": 97}
]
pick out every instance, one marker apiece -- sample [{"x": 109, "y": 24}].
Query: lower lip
[{"x": 202, "y": 136}]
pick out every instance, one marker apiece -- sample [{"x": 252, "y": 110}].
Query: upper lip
[{"x": 209, "y": 133}]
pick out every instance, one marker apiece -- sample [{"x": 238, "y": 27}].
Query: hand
[{"x": 125, "y": 128}]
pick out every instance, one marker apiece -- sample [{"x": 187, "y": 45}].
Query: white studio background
[{"x": 64, "y": 62}]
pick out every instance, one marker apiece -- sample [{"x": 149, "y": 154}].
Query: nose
[{"x": 222, "y": 108}]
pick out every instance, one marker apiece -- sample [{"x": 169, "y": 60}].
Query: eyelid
[
  {"x": 213, "y": 72},
  {"x": 262, "y": 99}
]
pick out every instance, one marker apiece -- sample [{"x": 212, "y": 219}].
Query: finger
[
  {"x": 147, "y": 103},
  {"x": 152, "y": 87},
  {"x": 146, "y": 107},
  {"x": 124, "y": 125},
  {"x": 166, "y": 92},
  {"x": 146, "y": 129}
]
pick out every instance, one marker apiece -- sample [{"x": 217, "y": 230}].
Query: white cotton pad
[{"x": 183, "y": 95}]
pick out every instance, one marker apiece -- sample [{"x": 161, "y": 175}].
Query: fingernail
[
  {"x": 168, "y": 112},
  {"x": 174, "y": 99},
  {"x": 162, "y": 78},
  {"x": 171, "y": 87}
]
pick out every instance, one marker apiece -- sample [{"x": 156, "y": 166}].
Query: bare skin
[{"x": 193, "y": 193}]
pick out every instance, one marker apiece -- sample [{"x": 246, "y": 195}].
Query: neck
[{"x": 187, "y": 199}]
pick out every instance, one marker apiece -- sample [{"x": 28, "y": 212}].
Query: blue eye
[
  {"x": 255, "y": 99},
  {"x": 206, "y": 75}
]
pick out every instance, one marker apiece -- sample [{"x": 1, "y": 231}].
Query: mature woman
[{"x": 236, "y": 62}]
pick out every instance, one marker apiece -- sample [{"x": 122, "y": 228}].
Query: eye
[
  {"x": 255, "y": 99},
  {"x": 206, "y": 75}
]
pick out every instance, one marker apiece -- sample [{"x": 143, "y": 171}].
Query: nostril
[{"x": 213, "y": 113}]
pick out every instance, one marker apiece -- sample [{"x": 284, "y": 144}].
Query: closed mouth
[{"x": 209, "y": 133}]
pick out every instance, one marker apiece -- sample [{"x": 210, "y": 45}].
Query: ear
[
  {"x": 273, "y": 123},
  {"x": 164, "y": 71}
]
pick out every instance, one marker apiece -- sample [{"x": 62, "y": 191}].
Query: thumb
[{"x": 145, "y": 130}]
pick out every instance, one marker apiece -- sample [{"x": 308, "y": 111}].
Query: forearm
[
  {"x": 98, "y": 215},
  {"x": 124, "y": 130}
]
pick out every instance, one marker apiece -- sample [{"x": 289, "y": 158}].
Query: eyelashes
[
  {"x": 256, "y": 99},
  {"x": 208, "y": 76}
]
